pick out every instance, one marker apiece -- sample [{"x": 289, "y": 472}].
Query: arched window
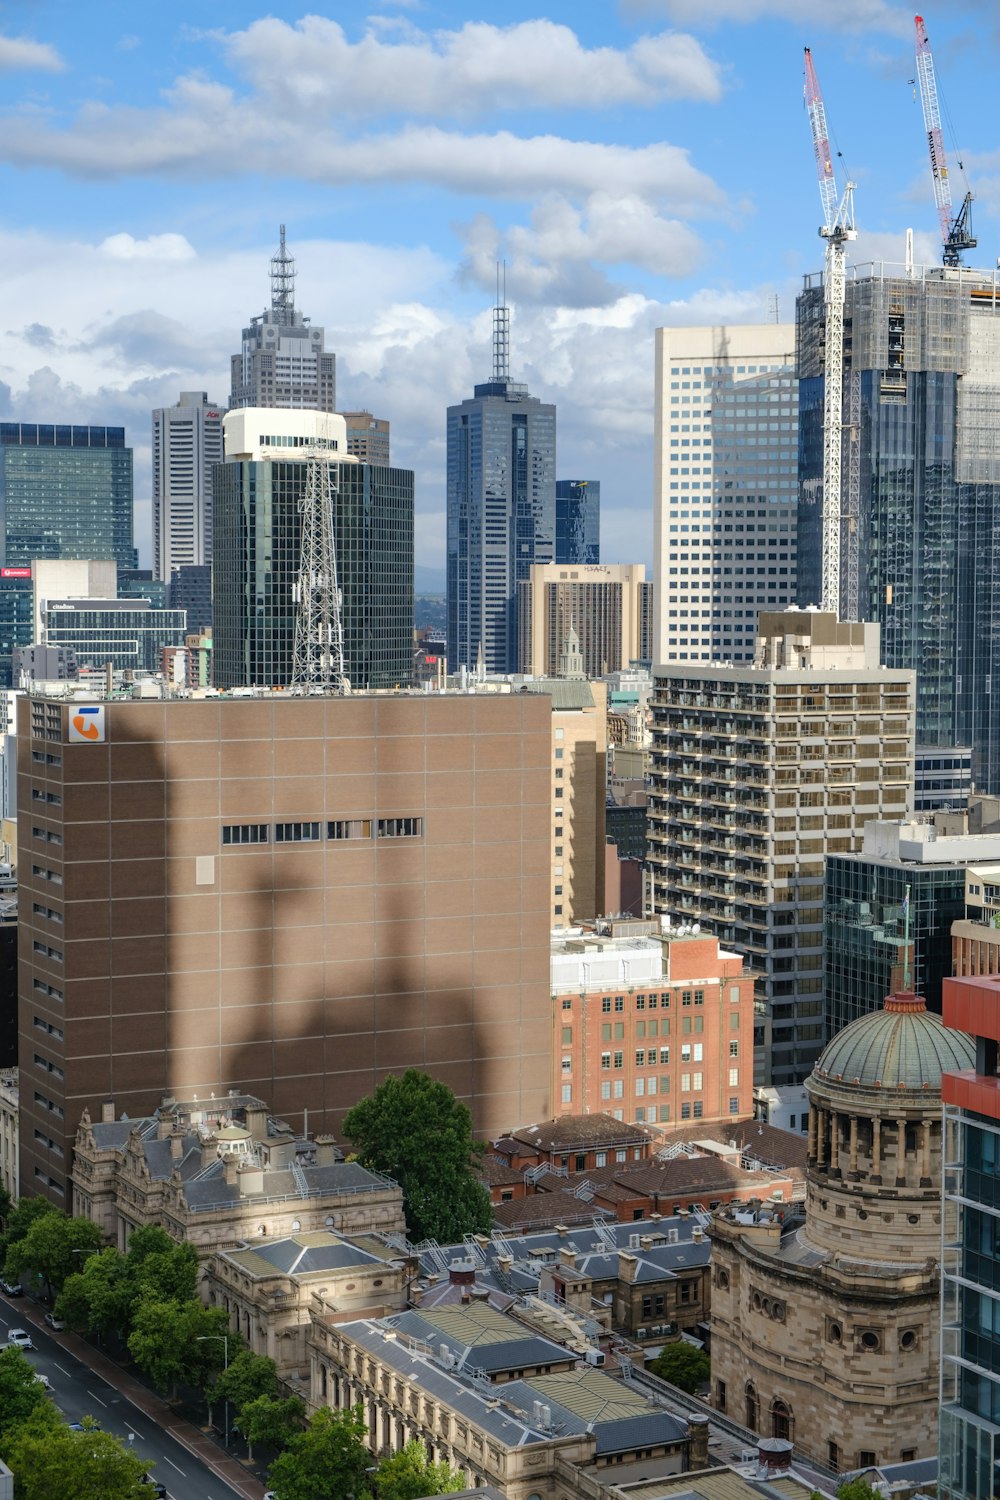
[
  {"x": 781, "y": 1421},
  {"x": 753, "y": 1405}
]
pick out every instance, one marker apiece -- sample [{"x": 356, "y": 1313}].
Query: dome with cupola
[{"x": 902, "y": 1046}]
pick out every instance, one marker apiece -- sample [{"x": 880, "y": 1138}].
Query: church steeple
[{"x": 571, "y": 660}]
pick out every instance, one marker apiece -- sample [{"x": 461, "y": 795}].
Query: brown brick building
[{"x": 289, "y": 896}]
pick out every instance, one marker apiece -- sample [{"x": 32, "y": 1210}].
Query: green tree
[
  {"x": 414, "y": 1130},
  {"x": 51, "y": 1249},
  {"x": 683, "y": 1365},
  {"x": 249, "y": 1376},
  {"x": 409, "y": 1475},
  {"x": 159, "y": 1267},
  {"x": 50, "y": 1462},
  {"x": 328, "y": 1458},
  {"x": 21, "y": 1392},
  {"x": 175, "y": 1342},
  {"x": 20, "y": 1219},
  {"x": 5, "y": 1205},
  {"x": 98, "y": 1297},
  {"x": 857, "y": 1489},
  {"x": 269, "y": 1421}
]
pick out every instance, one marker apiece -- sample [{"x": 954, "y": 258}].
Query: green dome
[{"x": 902, "y": 1046}]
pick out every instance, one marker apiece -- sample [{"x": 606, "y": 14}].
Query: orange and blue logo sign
[{"x": 86, "y": 724}]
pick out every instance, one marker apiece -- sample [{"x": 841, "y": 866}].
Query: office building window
[
  {"x": 400, "y": 828},
  {"x": 245, "y": 833},
  {"x": 296, "y": 833},
  {"x": 349, "y": 828}
]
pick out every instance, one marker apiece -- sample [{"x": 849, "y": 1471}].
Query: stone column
[
  {"x": 820, "y": 1137},
  {"x": 876, "y": 1150},
  {"x": 900, "y": 1153},
  {"x": 925, "y": 1154},
  {"x": 812, "y": 1132},
  {"x": 854, "y": 1148}
]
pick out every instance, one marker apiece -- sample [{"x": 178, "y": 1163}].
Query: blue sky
[{"x": 636, "y": 165}]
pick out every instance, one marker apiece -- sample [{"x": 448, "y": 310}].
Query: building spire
[
  {"x": 501, "y": 328},
  {"x": 283, "y": 283}
]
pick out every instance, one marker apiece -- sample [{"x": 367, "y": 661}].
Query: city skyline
[{"x": 606, "y": 177}]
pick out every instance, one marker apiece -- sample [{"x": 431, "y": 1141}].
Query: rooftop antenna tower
[
  {"x": 283, "y": 283},
  {"x": 318, "y": 655},
  {"x": 837, "y": 228},
  {"x": 956, "y": 230},
  {"x": 501, "y": 328}
]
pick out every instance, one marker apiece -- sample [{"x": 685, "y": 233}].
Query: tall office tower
[
  {"x": 16, "y": 617},
  {"x": 191, "y": 590},
  {"x": 758, "y": 773},
  {"x": 64, "y": 492},
  {"x": 605, "y": 604},
  {"x": 367, "y": 437},
  {"x": 293, "y": 896},
  {"x": 501, "y": 509},
  {"x": 187, "y": 443},
  {"x": 257, "y": 494},
  {"x": 578, "y": 520},
  {"x": 969, "y": 1436},
  {"x": 724, "y": 487},
  {"x": 921, "y": 485},
  {"x": 283, "y": 361}
]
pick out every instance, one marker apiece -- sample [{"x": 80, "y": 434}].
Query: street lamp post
[{"x": 223, "y": 1339}]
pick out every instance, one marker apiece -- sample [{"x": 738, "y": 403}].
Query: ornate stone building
[{"x": 825, "y": 1328}]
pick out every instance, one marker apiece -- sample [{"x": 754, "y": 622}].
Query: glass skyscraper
[
  {"x": 64, "y": 492},
  {"x": 864, "y": 932},
  {"x": 501, "y": 510},
  {"x": 257, "y": 540},
  {"x": 128, "y": 633},
  {"x": 921, "y": 500},
  {"x": 578, "y": 521}
]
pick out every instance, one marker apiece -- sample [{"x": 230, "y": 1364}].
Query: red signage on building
[{"x": 15, "y": 572}]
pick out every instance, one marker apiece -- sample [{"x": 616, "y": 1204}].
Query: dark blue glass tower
[
  {"x": 501, "y": 510},
  {"x": 578, "y": 521},
  {"x": 65, "y": 492},
  {"x": 921, "y": 487}
]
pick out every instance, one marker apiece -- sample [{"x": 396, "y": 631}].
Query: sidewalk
[{"x": 186, "y": 1433}]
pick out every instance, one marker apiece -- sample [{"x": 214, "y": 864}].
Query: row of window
[
  {"x": 313, "y": 832},
  {"x": 51, "y": 990}
]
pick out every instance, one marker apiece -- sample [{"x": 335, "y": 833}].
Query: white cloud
[
  {"x": 20, "y": 53},
  {"x": 156, "y": 247},
  {"x": 478, "y": 68},
  {"x": 825, "y": 15}
]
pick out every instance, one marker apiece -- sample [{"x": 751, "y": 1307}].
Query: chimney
[
  {"x": 697, "y": 1234},
  {"x": 628, "y": 1266},
  {"x": 164, "y": 1125},
  {"x": 697, "y": 1435},
  {"x": 326, "y": 1150},
  {"x": 108, "y": 1112},
  {"x": 250, "y": 1177},
  {"x": 209, "y": 1150},
  {"x": 562, "y": 1231},
  {"x": 567, "y": 1256},
  {"x": 176, "y": 1145},
  {"x": 231, "y": 1166},
  {"x": 256, "y": 1121}
]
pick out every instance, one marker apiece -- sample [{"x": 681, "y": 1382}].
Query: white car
[
  {"x": 43, "y": 1380},
  {"x": 19, "y": 1338}
]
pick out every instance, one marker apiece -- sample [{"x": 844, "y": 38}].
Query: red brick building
[{"x": 653, "y": 1028}]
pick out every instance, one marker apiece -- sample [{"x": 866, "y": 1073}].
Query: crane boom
[
  {"x": 955, "y": 229},
  {"x": 837, "y": 228}
]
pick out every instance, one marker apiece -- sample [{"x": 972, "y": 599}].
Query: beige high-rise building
[
  {"x": 725, "y": 487},
  {"x": 289, "y": 896},
  {"x": 608, "y": 605},
  {"x": 758, "y": 773}
]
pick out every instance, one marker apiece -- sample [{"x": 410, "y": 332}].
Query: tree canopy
[
  {"x": 857, "y": 1489},
  {"x": 50, "y": 1460},
  {"x": 106, "y": 1289},
  {"x": 21, "y": 1392},
  {"x": 271, "y": 1422},
  {"x": 683, "y": 1365},
  {"x": 328, "y": 1458},
  {"x": 414, "y": 1130},
  {"x": 176, "y": 1342},
  {"x": 51, "y": 1248},
  {"x": 409, "y": 1475}
]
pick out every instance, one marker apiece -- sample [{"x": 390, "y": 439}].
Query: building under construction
[{"x": 920, "y": 488}]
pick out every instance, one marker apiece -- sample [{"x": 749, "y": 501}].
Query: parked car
[
  {"x": 44, "y": 1380},
  {"x": 56, "y": 1324},
  {"x": 11, "y": 1288},
  {"x": 19, "y": 1338},
  {"x": 90, "y": 1425},
  {"x": 157, "y": 1491}
]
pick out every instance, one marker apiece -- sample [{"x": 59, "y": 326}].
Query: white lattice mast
[
  {"x": 318, "y": 655},
  {"x": 837, "y": 228},
  {"x": 955, "y": 229},
  {"x": 501, "y": 330}
]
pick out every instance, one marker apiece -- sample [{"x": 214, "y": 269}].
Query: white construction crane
[
  {"x": 837, "y": 228},
  {"x": 956, "y": 233},
  {"x": 318, "y": 656}
]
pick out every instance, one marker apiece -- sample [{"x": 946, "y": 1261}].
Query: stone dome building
[{"x": 825, "y": 1328}]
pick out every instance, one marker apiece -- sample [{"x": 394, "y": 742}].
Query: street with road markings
[{"x": 78, "y": 1391}]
